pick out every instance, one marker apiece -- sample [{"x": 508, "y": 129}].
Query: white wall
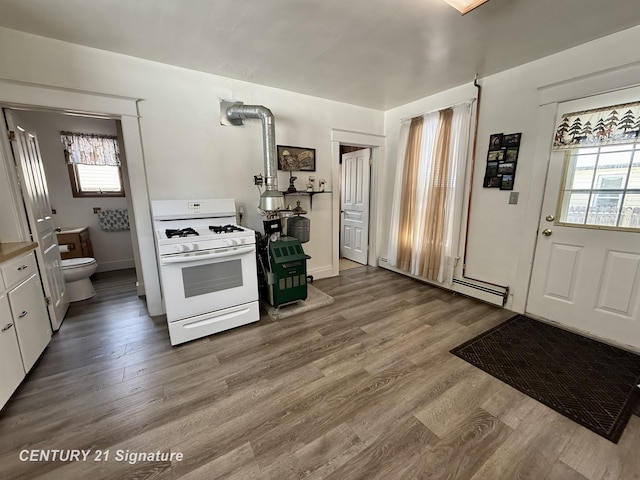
[
  {"x": 502, "y": 236},
  {"x": 188, "y": 154},
  {"x": 112, "y": 250}
]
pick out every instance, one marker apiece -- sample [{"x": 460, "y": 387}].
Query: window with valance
[{"x": 94, "y": 164}]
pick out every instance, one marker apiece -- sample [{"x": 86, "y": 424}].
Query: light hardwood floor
[
  {"x": 362, "y": 389},
  {"x": 346, "y": 264}
]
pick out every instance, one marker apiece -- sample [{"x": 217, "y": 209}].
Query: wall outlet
[{"x": 513, "y": 198}]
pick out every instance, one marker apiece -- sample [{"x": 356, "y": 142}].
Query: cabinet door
[
  {"x": 11, "y": 368},
  {"x": 31, "y": 320}
]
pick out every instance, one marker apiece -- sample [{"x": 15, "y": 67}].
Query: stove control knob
[
  {"x": 180, "y": 248},
  {"x": 228, "y": 242},
  {"x": 189, "y": 247},
  {"x": 235, "y": 241}
]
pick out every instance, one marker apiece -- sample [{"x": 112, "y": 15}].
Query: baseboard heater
[
  {"x": 495, "y": 295},
  {"x": 484, "y": 292}
]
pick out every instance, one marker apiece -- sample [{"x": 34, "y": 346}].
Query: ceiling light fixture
[{"x": 465, "y": 6}]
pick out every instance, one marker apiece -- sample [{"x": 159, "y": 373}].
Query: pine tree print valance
[{"x": 604, "y": 126}]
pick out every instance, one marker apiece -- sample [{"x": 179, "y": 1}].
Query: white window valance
[
  {"x": 90, "y": 149},
  {"x": 603, "y": 126}
]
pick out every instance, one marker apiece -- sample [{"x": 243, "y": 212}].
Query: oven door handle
[{"x": 196, "y": 258}]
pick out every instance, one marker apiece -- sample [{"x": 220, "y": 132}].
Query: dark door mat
[{"x": 587, "y": 381}]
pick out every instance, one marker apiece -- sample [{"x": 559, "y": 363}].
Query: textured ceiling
[{"x": 374, "y": 53}]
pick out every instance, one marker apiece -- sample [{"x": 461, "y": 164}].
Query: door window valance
[{"x": 603, "y": 126}]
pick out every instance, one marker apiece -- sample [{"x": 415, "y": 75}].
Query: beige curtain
[
  {"x": 431, "y": 248},
  {"x": 426, "y": 214},
  {"x": 407, "y": 201}
]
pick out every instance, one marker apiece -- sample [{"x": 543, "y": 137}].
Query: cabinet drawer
[
  {"x": 16, "y": 270},
  {"x": 31, "y": 320},
  {"x": 11, "y": 368}
]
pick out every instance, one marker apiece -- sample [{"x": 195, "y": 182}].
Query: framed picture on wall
[
  {"x": 496, "y": 155},
  {"x": 492, "y": 182},
  {"x": 495, "y": 141},
  {"x": 296, "y": 159},
  {"x": 511, "y": 140},
  {"x": 507, "y": 182},
  {"x": 511, "y": 154},
  {"x": 506, "y": 168}
]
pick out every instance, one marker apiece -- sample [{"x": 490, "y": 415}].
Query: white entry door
[
  {"x": 354, "y": 223},
  {"x": 36, "y": 198},
  {"x": 586, "y": 271}
]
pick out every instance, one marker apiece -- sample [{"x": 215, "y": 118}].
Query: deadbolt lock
[
  {"x": 547, "y": 232},
  {"x": 550, "y": 218}
]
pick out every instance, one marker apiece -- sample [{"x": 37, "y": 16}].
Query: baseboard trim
[
  {"x": 322, "y": 272},
  {"x": 483, "y": 292},
  {"x": 115, "y": 265}
]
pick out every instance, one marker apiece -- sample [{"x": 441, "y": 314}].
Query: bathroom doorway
[{"x": 83, "y": 215}]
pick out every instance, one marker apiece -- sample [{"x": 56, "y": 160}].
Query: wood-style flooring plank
[
  {"x": 388, "y": 455},
  {"x": 462, "y": 451},
  {"x": 560, "y": 471},
  {"x": 364, "y": 388}
]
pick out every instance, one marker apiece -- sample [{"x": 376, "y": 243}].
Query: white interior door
[
  {"x": 354, "y": 223},
  {"x": 36, "y": 198},
  {"x": 586, "y": 271}
]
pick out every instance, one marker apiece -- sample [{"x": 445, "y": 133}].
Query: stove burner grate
[
  {"x": 180, "y": 232},
  {"x": 225, "y": 228}
]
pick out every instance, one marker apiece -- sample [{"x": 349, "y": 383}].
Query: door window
[{"x": 601, "y": 188}]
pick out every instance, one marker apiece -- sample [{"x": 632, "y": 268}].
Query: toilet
[{"x": 76, "y": 272}]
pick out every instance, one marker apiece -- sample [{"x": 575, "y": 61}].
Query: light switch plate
[{"x": 513, "y": 198}]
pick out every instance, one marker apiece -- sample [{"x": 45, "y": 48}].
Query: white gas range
[{"x": 207, "y": 267}]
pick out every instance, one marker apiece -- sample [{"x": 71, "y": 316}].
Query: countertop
[
  {"x": 15, "y": 249},
  {"x": 72, "y": 230}
]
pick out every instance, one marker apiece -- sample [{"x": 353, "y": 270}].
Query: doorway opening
[
  {"x": 82, "y": 230},
  {"x": 376, "y": 143},
  {"x": 354, "y": 194}
]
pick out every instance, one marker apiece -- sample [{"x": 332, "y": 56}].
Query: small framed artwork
[
  {"x": 492, "y": 169},
  {"x": 511, "y": 140},
  {"x": 496, "y": 155},
  {"x": 296, "y": 159},
  {"x": 507, "y": 182},
  {"x": 507, "y": 168},
  {"x": 495, "y": 141},
  {"x": 492, "y": 182},
  {"x": 511, "y": 154}
]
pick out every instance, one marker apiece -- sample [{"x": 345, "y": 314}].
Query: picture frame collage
[{"x": 502, "y": 159}]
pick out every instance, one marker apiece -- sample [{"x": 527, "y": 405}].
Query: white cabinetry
[
  {"x": 11, "y": 368},
  {"x": 31, "y": 320},
  {"x": 24, "y": 324}
]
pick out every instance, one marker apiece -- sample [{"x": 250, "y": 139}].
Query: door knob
[
  {"x": 549, "y": 218},
  {"x": 546, "y": 232}
]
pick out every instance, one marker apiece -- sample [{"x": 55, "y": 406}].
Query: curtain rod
[
  {"x": 470, "y": 100},
  {"x": 92, "y": 135}
]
